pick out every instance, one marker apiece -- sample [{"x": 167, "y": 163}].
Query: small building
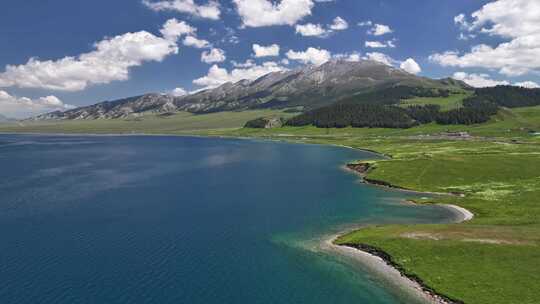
[{"x": 457, "y": 134}]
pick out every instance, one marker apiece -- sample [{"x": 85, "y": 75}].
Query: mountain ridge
[{"x": 308, "y": 87}]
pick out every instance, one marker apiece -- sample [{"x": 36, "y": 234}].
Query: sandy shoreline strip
[
  {"x": 463, "y": 214},
  {"x": 385, "y": 270}
]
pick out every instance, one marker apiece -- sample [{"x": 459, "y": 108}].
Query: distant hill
[
  {"x": 309, "y": 87},
  {"x": 6, "y": 119}
]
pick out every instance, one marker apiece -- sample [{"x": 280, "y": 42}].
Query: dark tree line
[
  {"x": 424, "y": 114},
  {"x": 355, "y": 115},
  {"x": 379, "y": 108},
  {"x": 394, "y": 95},
  {"x": 474, "y": 111},
  {"x": 509, "y": 96},
  {"x": 389, "y": 116},
  {"x": 258, "y": 123}
]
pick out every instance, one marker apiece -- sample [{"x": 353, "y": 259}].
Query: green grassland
[
  {"x": 454, "y": 101},
  {"x": 149, "y": 123},
  {"x": 495, "y": 258},
  {"x": 491, "y": 259},
  {"x": 509, "y": 123}
]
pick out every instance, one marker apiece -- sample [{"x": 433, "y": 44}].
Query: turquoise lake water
[{"x": 135, "y": 219}]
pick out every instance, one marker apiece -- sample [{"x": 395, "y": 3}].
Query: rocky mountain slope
[{"x": 309, "y": 87}]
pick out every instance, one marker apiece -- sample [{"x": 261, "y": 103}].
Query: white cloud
[
  {"x": 217, "y": 76},
  {"x": 379, "y": 30},
  {"x": 379, "y": 44},
  {"x": 352, "y": 57},
  {"x": 209, "y": 10},
  {"x": 311, "y": 30},
  {"x": 265, "y": 51},
  {"x": 173, "y": 29},
  {"x": 365, "y": 23},
  {"x": 247, "y": 64},
  {"x": 111, "y": 60},
  {"x": 257, "y": 13},
  {"x": 310, "y": 56},
  {"x": 214, "y": 55},
  {"x": 22, "y": 107},
  {"x": 411, "y": 66},
  {"x": 380, "y": 57},
  {"x": 196, "y": 42},
  {"x": 478, "y": 80},
  {"x": 318, "y": 30},
  {"x": 516, "y": 20},
  {"x": 339, "y": 24},
  {"x": 178, "y": 92},
  {"x": 466, "y": 37},
  {"x": 461, "y": 21},
  {"x": 528, "y": 84},
  {"x": 483, "y": 80},
  {"x": 508, "y": 18}
]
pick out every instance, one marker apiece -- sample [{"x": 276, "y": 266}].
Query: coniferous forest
[{"x": 379, "y": 108}]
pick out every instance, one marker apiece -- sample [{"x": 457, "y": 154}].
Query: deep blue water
[{"x": 91, "y": 219}]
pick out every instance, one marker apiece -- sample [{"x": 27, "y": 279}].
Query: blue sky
[{"x": 89, "y": 51}]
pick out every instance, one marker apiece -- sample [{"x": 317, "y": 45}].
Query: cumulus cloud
[
  {"x": 339, "y": 24},
  {"x": 178, "y": 92},
  {"x": 484, "y": 80},
  {"x": 310, "y": 56},
  {"x": 310, "y": 29},
  {"x": 478, "y": 80},
  {"x": 247, "y": 64},
  {"x": 528, "y": 84},
  {"x": 217, "y": 76},
  {"x": 379, "y": 44},
  {"x": 110, "y": 60},
  {"x": 318, "y": 30},
  {"x": 196, "y": 42},
  {"x": 352, "y": 57},
  {"x": 365, "y": 23},
  {"x": 209, "y": 10},
  {"x": 411, "y": 66},
  {"x": 22, "y": 107},
  {"x": 257, "y": 13},
  {"x": 516, "y": 20},
  {"x": 380, "y": 57},
  {"x": 379, "y": 30},
  {"x": 265, "y": 51},
  {"x": 173, "y": 29},
  {"x": 214, "y": 55}
]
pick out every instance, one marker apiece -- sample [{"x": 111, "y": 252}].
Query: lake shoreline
[{"x": 381, "y": 262}]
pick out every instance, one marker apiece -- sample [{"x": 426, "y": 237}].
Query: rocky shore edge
[{"x": 383, "y": 262}]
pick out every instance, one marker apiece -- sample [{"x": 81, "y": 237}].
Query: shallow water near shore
[{"x": 162, "y": 219}]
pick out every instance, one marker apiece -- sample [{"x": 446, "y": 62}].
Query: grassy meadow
[
  {"x": 454, "y": 101},
  {"x": 149, "y": 123}
]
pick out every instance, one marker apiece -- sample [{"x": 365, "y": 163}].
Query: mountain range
[{"x": 306, "y": 87}]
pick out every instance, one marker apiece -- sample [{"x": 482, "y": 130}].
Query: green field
[
  {"x": 491, "y": 259},
  {"x": 495, "y": 258},
  {"x": 454, "y": 101},
  {"x": 148, "y": 123}
]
